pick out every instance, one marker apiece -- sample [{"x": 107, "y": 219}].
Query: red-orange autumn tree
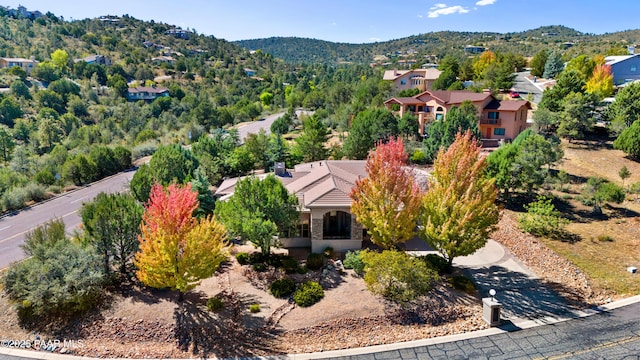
[
  {"x": 387, "y": 202},
  {"x": 176, "y": 249},
  {"x": 458, "y": 209},
  {"x": 601, "y": 81}
]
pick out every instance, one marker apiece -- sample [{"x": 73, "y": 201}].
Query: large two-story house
[
  {"x": 625, "y": 68},
  {"x": 498, "y": 119},
  {"x": 412, "y": 79}
]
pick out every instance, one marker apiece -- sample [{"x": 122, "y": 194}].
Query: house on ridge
[
  {"x": 146, "y": 93},
  {"x": 498, "y": 119},
  {"x": 26, "y": 64}
]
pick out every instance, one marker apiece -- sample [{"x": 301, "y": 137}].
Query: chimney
[
  {"x": 631, "y": 49},
  {"x": 279, "y": 168}
]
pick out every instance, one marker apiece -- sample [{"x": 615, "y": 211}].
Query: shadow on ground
[
  {"x": 521, "y": 296},
  {"x": 207, "y": 334}
]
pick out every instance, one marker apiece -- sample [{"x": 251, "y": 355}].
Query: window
[
  {"x": 633, "y": 68},
  {"x": 498, "y": 131},
  {"x": 439, "y": 117},
  {"x": 493, "y": 115},
  {"x": 403, "y": 81},
  {"x": 336, "y": 225}
]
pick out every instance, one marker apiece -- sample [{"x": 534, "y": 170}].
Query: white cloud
[
  {"x": 420, "y": 16},
  {"x": 485, "y": 2},
  {"x": 375, "y": 39},
  {"x": 442, "y": 9}
]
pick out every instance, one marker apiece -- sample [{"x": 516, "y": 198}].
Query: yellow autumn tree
[
  {"x": 387, "y": 202},
  {"x": 458, "y": 209},
  {"x": 176, "y": 249},
  {"x": 601, "y": 81},
  {"x": 482, "y": 62}
]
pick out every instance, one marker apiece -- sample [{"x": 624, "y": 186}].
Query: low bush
[
  {"x": 144, "y": 149},
  {"x": 605, "y": 238},
  {"x": 215, "y": 304},
  {"x": 243, "y": 258},
  {"x": 542, "y": 218},
  {"x": 352, "y": 260},
  {"x": 462, "y": 283},
  {"x": 254, "y": 308},
  {"x": 308, "y": 294},
  {"x": 59, "y": 277},
  {"x": 315, "y": 261},
  {"x": 396, "y": 275},
  {"x": 282, "y": 288},
  {"x": 259, "y": 267},
  {"x": 289, "y": 264},
  {"x": 437, "y": 263}
]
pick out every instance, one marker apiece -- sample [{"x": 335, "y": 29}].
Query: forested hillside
[
  {"x": 424, "y": 47},
  {"x": 70, "y": 121}
]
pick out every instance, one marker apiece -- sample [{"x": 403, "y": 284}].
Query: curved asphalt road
[{"x": 66, "y": 206}]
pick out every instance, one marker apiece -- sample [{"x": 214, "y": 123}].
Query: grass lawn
[{"x": 605, "y": 246}]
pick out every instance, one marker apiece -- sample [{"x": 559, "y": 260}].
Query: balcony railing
[{"x": 487, "y": 121}]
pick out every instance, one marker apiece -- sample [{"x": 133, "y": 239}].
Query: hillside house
[
  {"x": 95, "y": 59},
  {"x": 163, "y": 59},
  {"x": 249, "y": 72},
  {"x": 26, "y": 64},
  {"x": 412, "y": 79},
  {"x": 625, "y": 68},
  {"x": 178, "y": 33},
  {"x": 146, "y": 93},
  {"x": 323, "y": 189},
  {"x": 470, "y": 49},
  {"x": 498, "y": 119}
]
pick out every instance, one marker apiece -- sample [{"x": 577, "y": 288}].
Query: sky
[{"x": 354, "y": 21}]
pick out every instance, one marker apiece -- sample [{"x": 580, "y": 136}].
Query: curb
[{"x": 30, "y": 354}]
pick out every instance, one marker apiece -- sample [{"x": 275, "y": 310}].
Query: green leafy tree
[
  {"x": 545, "y": 120},
  {"x": 396, "y": 276},
  {"x": 282, "y": 124},
  {"x": 9, "y": 111},
  {"x": 524, "y": 164},
  {"x": 445, "y": 80},
  {"x": 112, "y": 224},
  {"x": 45, "y": 71},
  {"x": 266, "y": 98},
  {"x": 51, "y": 99},
  {"x": 256, "y": 203},
  {"x": 629, "y": 140},
  {"x": 538, "y": 62},
  {"x": 387, "y": 201},
  {"x": 369, "y": 127},
  {"x": 458, "y": 209},
  {"x": 59, "y": 59},
  {"x": 310, "y": 144},
  {"x": 626, "y": 109},
  {"x": 20, "y": 90},
  {"x": 441, "y": 134},
  {"x": 7, "y": 144},
  {"x": 408, "y": 126},
  {"x": 568, "y": 82},
  {"x": 577, "y": 118},
  {"x": 583, "y": 65}
]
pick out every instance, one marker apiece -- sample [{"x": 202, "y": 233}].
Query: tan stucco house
[
  {"x": 412, "y": 79},
  {"x": 27, "y": 64},
  {"x": 499, "y": 119},
  {"x": 323, "y": 189}
]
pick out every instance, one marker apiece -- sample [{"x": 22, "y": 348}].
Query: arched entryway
[{"x": 336, "y": 225}]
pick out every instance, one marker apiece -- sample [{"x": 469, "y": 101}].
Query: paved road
[
  {"x": 14, "y": 227},
  {"x": 255, "y": 126},
  {"x": 609, "y": 335},
  {"x": 524, "y": 87}
]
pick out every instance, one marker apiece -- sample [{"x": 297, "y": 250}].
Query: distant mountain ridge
[{"x": 421, "y": 47}]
